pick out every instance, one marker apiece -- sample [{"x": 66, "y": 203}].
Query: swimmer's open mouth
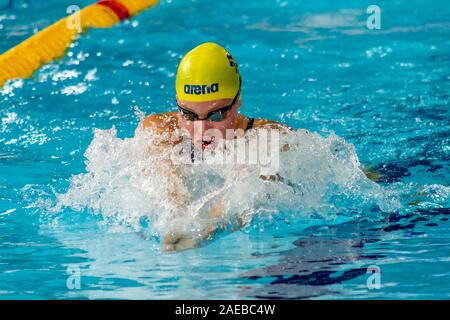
[{"x": 206, "y": 143}]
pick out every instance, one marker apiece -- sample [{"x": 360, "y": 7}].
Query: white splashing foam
[{"x": 127, "y": 180}]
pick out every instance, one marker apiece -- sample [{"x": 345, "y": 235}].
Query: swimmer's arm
[
  {"x": 161, "y": 124},
  {"x": 284, "y": 129},
  {"x": 370, "y": 172},
  {"x": 216, "y": 222}
]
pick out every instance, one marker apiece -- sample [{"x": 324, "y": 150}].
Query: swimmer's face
[{"x": 205, "y": 132}]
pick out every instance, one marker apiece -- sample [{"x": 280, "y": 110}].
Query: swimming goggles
[{"x": 216, "y": 115}]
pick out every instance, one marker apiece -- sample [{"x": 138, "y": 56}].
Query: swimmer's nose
[{"x": 201, "y": 126}]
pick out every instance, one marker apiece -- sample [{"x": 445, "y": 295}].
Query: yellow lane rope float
[{"x": 52, "y": 42}]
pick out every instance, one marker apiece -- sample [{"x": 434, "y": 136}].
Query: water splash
[{"x": 131, "y": 182}]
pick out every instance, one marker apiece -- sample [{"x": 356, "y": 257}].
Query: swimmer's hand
[
  {"x": 179, "y": 241},
  {"x": 274, "y": 177}
]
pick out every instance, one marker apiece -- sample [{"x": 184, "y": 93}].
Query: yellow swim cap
[{"x": 208, "y": 72}]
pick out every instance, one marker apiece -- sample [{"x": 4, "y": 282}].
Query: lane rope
[
  {"x": 51, "y": 43},
  {"x": 119, "y": 9}
]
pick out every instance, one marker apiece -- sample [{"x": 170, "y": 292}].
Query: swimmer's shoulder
[
  {"x": 265, "y": 123},
  {"x": 274, "y": 125},
  {"x": 160, "y": 122}
]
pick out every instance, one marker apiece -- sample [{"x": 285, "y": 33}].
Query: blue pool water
[{"x": 310, "y": 64}]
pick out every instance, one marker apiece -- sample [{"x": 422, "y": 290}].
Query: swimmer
[{"x": 208, "y": 95}]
